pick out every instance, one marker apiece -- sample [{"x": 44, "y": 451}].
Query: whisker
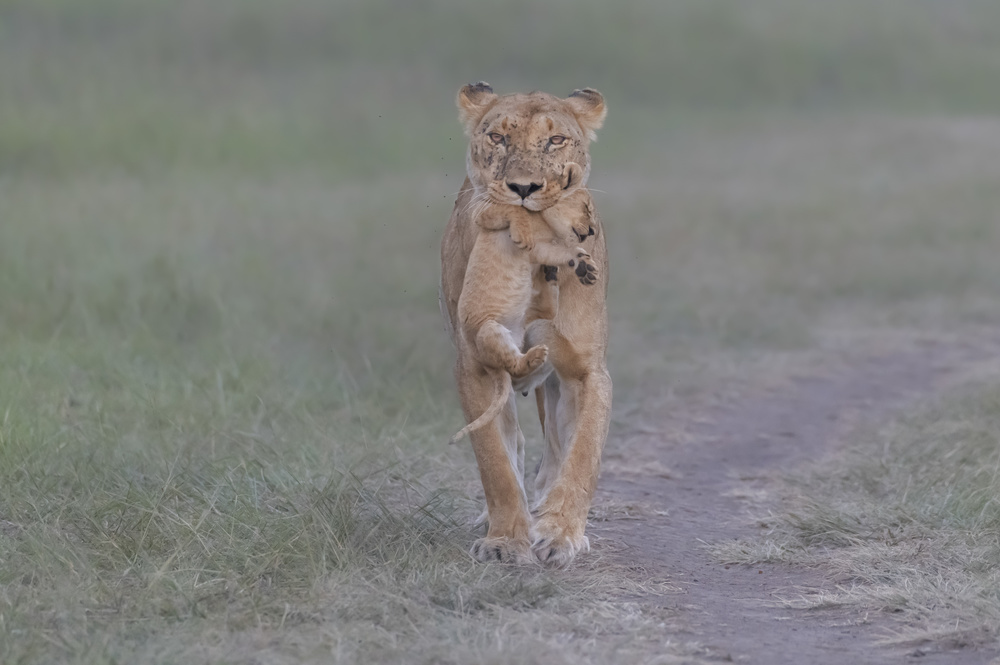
[
  {"x": 475, "y": 199},
  {"x": 471, "y": 205},
  {"x": 485, "y": 205},
  {"x": 477, "y": 207},
  {"x": 479, "y": 210}
]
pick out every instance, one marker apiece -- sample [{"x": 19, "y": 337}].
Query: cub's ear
[
  {"x": 474, "y": 100},
  {"x": 589, "y": 109}
]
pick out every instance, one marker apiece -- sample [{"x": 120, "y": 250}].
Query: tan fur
[
  {"x": 498, "y": 285},
  {"x": 564, "y": 314}
]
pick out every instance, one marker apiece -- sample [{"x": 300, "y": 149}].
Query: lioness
[
  {"x": 519, "y": 149},
  {"x": 498, "y": 285}
]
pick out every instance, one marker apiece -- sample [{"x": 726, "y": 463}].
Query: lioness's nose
[{"x": 524, "y": 191}]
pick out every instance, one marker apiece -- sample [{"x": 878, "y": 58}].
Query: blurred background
[
  {"x": 176, "y": 167},
  {"x": 220, "y": 221}
]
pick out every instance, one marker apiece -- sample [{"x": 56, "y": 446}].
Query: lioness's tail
[{"x": 501, "y": 391}]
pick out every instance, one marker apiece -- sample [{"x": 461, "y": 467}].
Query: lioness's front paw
[
  {"x": 502, "y": 550},
  {"x": 586, "y": 270},
  {"x": 554, "y": 545}
]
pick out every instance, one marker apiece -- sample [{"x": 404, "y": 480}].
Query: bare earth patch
[{"x": 707, "y": 485}]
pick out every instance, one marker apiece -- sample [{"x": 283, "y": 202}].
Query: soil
[{"x": 693, "y": 490}]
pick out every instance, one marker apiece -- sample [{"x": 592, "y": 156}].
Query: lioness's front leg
[
  {"x": 576, "y": 409},
  {"x": 577, "y": 414},
  {"x": 498, "y": 456}
]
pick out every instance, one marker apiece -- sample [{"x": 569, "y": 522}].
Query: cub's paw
[
  {"x": 585, "y": 269},
  {"x": 531, "y": 360},
  {"x": 521, "y": 236},
  {"x": 582, "y": 226},
  {"x": 536, "y": 355},
  {"x": 502, "y": 550},
  {"x": 554, "y": 545}
]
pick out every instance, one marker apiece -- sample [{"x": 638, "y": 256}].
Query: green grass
[
  {"x": 225, "y": 389},
  {"x": 907, "y": 520}
]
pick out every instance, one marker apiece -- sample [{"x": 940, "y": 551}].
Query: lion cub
[{"x": 498, "y": 285}]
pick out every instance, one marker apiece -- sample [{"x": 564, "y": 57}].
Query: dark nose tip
[{"x": 524, "y": 191}]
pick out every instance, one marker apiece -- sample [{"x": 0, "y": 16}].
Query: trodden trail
[{"x": 691, "y": 494}]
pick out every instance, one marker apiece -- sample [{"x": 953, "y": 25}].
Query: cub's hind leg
[{"x": 496, "y": 348}]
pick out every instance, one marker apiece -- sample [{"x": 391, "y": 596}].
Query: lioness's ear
[
  {"x": 589, "y": 109},
  {"x": 474, "y": 100}
]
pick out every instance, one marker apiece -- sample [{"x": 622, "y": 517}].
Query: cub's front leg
[
  {"x": 572, "y": 218},
  {"x": 500, "y": 217},
  {"x": 582, "y": 219},
  {"x": 556, "y": 254},
  {"x": 521, "y": 233}
]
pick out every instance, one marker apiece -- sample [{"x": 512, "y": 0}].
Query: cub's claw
[
  {"x": 521, "y": 236},
  {"x": 527, "y": 244}
]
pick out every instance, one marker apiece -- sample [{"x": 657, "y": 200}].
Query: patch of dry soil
[{"x": 695, "y": 492}]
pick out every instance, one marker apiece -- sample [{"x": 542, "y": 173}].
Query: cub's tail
[{"x": 501, "y": 391}]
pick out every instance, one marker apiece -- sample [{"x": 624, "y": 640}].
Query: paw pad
[{"x": 586, "y": 273}]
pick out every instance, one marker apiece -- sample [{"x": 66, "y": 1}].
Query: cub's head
[{"x": 530, "y": 150}]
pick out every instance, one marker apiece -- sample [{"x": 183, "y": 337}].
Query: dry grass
[{"x": 906, "y": 521}]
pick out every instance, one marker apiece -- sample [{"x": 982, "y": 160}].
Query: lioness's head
[{"x": 529, "y": 150}]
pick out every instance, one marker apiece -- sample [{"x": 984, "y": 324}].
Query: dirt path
[{"x": 732, "y": 610}]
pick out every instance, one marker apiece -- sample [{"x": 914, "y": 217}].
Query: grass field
[
  {"x": 906, "y": 520},
  {"x": 225, "y": 388}
]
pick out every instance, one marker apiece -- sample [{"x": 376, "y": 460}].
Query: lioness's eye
[
  {"x": 557, "y": 140},
  {"x": 496, "y": 138}
]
